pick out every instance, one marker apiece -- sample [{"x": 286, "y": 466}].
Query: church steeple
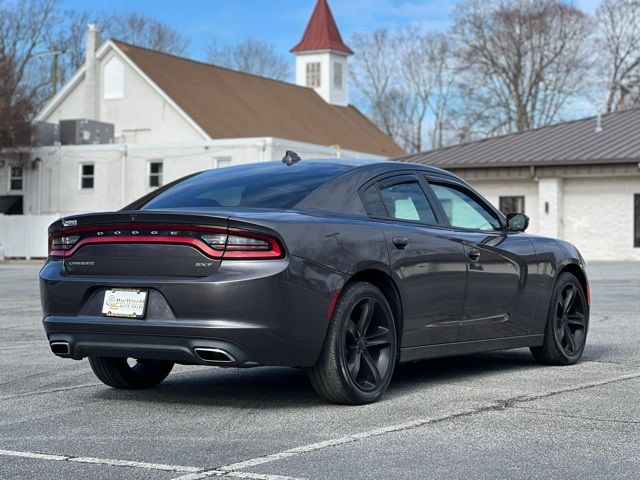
[{"x": 321, "y": 57}]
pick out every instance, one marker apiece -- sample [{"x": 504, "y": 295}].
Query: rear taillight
[
  {"x": 58, "y": 245},
  {"x": 212, "y": 241},
  {"x": 244, "y": 245}
]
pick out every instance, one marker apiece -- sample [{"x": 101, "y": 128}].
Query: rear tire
[
  {"x": 565, "y": 333},
  {"x": 360, "y": 349},
  {"x": 117, "y": 373}
]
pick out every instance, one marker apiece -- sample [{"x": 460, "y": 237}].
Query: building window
[
  {"x": 222, "y": 162},
  {"x": 512, "y": 205},
  {"x": 313, "y": 74},
  {"x": 155, "y": 174},
  {"x": 15, "y": 179},
  {"x": 636, "y": 220},
  {"x": 113, "y": 79},
  {"x": 86, "y": 176},
  {"x": 337, "y": 75}
]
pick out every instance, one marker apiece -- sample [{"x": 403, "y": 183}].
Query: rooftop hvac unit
[{"x": 85, "y": 132}]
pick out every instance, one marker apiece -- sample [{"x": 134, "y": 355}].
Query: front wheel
[
  {"x": 567, "y": 324},
  {"x": 359, "y": 353},
  {"x": 118, "y": 373}
]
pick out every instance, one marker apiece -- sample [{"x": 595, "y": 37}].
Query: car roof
[{"x": 373, "y": 164}]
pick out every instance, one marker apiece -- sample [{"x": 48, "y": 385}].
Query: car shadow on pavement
[{"x": 272, "y": 387}]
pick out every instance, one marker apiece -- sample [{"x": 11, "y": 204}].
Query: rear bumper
[
  {"x": 260, "y": 312},
  {"x": 177, "y": 349}
]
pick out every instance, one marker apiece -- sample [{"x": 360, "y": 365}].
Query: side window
[
  {"x": 87, "y": 171},
  {"x": 463, "y": 211},
  {"x": 155, "y": 174},
  {"x": 407, "y": 201}
]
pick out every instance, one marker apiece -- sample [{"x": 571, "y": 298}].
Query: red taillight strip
[
  {"x": 231, "y": 252},
  {"x": 194, "y": 242}
]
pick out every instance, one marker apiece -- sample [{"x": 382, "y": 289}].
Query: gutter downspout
[{"x": 123, "y": 158}]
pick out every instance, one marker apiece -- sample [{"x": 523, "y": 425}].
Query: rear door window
[{"x": 407, "y": 201}]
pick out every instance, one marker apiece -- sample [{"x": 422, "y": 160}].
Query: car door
[
  {"x": 497, "y": 303},
  {"x": 428, "y": 267}
]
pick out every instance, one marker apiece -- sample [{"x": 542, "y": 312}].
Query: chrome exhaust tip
[
  {"x": 213, "y": 355},
  {"x": 60, "y": 348}
]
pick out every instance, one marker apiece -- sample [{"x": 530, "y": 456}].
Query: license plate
[{"x": 128, "y": 303}]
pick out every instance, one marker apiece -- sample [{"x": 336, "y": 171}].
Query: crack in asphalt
[{"x": 555, "y": 413}]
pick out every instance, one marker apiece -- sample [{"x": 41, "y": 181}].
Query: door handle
[
  {"x": 400, "y": 242},
  {"x": 473, "y": 254}
]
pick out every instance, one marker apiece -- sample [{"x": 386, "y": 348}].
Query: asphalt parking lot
[{"x": 496, "y": 415}]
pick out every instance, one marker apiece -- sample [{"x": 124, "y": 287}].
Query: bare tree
[
  {"x": 406, "y": 80},
  {"x": 145, "y": 31},
  {"x": 68, "y": 39},
  {"x": 521, "y": 62},
  {"x": 427, "y": 75},
  {"x": 374, "y": 74},
  {"x": 24, "y": 83},
  {"x": 618, "y": 42},
  {"x": 250, "y": 56}
]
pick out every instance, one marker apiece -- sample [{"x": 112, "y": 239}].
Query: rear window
[{"x": 268, "y": 185}]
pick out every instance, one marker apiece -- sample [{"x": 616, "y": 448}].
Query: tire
[
  {"x": 360, "y": 349},
  {"x": 117, "y": 373},
  {"x": 567, "y": 324}
]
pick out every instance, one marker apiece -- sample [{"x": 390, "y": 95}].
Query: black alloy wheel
[
  {"x": 570, "y": 325},
  {"x": 368, "y": 343},
  {"x": 567, "y": 324},
  {"x": 359, "y": 354}
]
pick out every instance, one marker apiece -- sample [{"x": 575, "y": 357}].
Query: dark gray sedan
[{"x": 341, "y": 267}]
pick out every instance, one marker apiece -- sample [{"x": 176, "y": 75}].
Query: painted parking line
[
  {"x": 493, "y": 406},
  {"x": 100, "y": 461},
  {"x": 143, "y": 465}
]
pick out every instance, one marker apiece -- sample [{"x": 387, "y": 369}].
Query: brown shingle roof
[
  {"x": 568, "y": 143},
  {"x": 230, "y": 104}
]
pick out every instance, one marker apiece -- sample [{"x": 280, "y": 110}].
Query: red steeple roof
[{"x": 322, "y": 32}]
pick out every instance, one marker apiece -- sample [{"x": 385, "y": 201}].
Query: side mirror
[{"x": 517, "y": 222}]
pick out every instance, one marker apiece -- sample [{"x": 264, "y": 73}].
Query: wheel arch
[
  {"x": 389, "y": 289},
  {"x": 577, "y": 271}
]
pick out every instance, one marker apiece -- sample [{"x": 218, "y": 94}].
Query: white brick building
[{"x": 578, "y": 180}]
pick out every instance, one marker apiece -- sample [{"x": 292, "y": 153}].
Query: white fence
[{"x": 24, "y": 236}]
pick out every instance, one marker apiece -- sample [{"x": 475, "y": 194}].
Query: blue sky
[{"x": 280, "y": 22}]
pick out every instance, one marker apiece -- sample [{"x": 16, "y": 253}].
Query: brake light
[
  {"x": 214, "y": 242},
  {"x": 60, "y": 244},
  {"x": 244, "y": 245}
]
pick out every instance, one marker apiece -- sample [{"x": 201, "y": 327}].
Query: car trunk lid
[{"x": 140, "y": 243}]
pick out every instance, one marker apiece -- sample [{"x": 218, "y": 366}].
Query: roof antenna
[
  {"x": 290, "y": 158},
  {"x": 599, "y": 122}
]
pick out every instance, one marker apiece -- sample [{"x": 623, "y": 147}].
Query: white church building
[{"x": 142, "y": 118}]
